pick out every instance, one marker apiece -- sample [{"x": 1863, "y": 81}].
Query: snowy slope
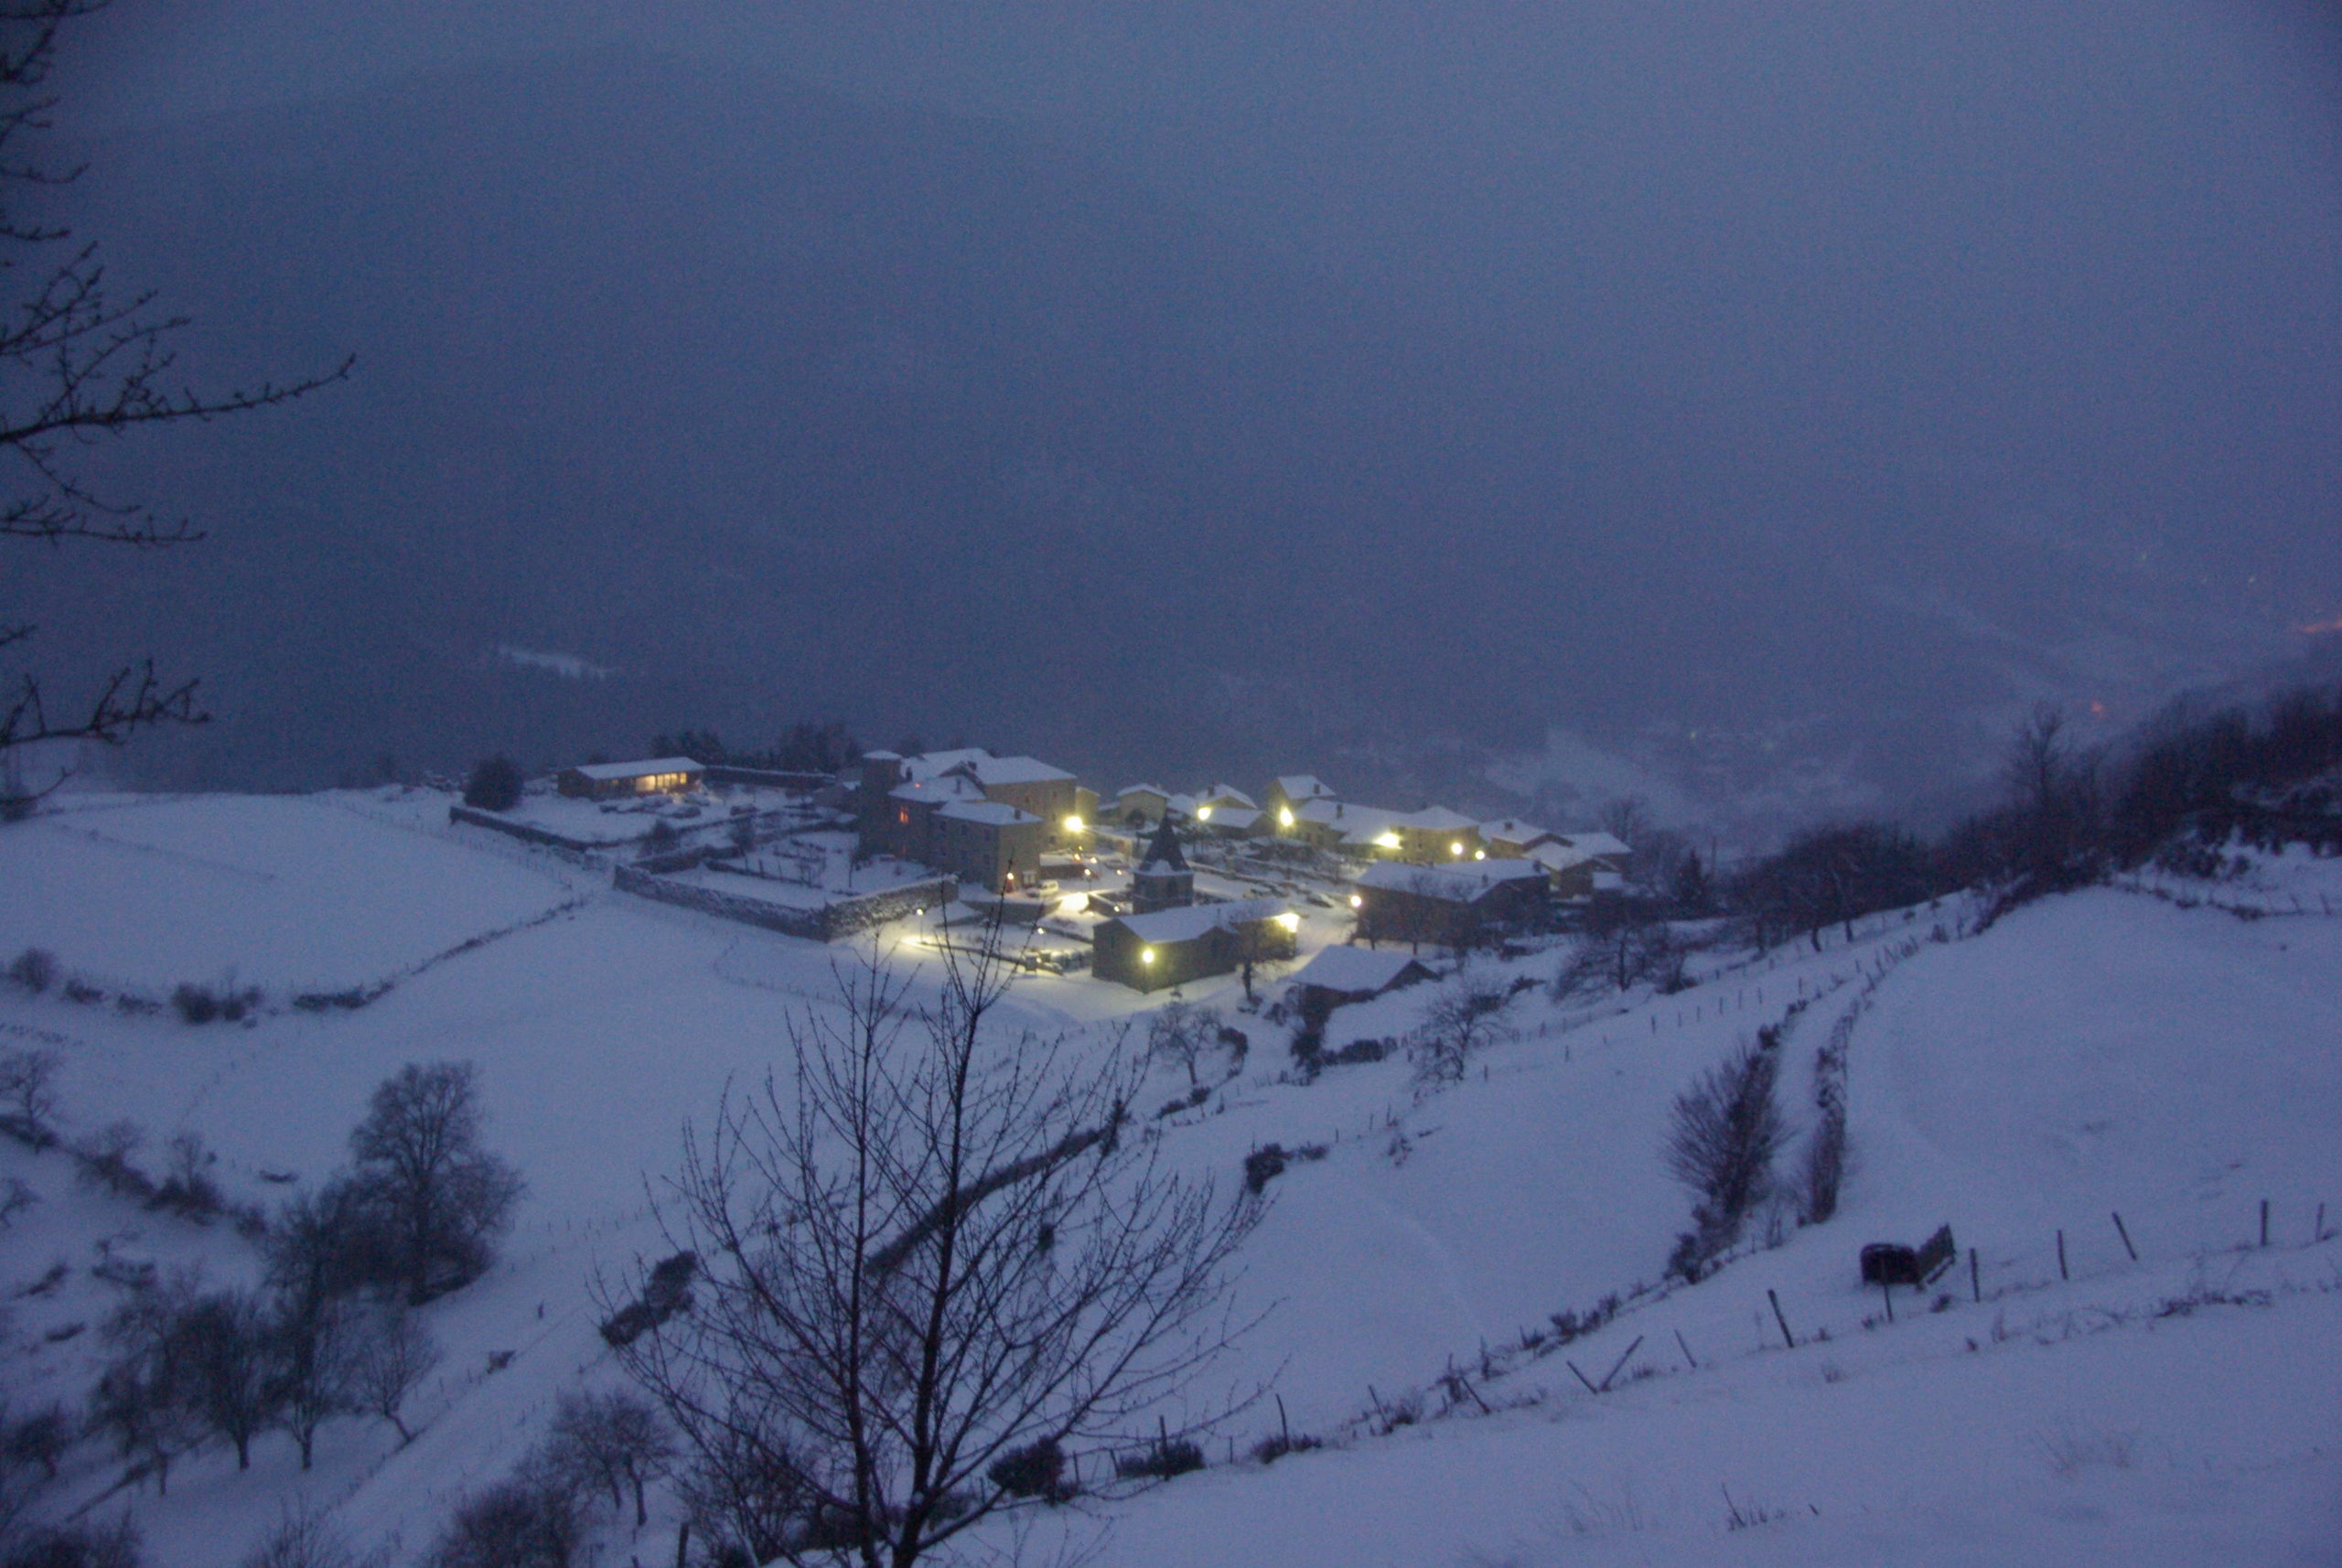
[{"x": 2108, "y": 1051}]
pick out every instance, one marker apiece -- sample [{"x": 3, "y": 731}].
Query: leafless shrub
[
  {"x": 34, "y": 968},
  {"x": 103, "y": 1160},
  {"x": 1722, "y": 1134},
  {"x": 522, "y": 1522},
  {"x": 2068, "y": 1450},
  {"x": 304, "y": 1539}
]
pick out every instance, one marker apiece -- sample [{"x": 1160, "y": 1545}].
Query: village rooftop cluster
[{"x": 1149, "y": 887}]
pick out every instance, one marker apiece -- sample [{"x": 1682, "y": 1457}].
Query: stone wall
[{"x": 842, "y": 916}]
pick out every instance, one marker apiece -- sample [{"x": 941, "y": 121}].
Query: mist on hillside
[{"x": 1750, "y": 408}]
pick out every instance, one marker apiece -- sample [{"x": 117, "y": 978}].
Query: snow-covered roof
[
  {"x": 1512, "y": 830},
  {"x": 1226, "y": 794},
  {"x": 1238, "y": 818},
  {"x": 952, "y": 787},
  {"x": 1350, "y": 817},
  {"x": 1183, "y": 804},
  {"x": 1458, "y": 883},
  {"x": 1299, "y": 786},
  {"x": 1127, "y": 790},
  {"x": 1598, "y": 843},
  {"x": 610, "y": 772},
  {"x": 998, "y": 813},
  {"x": 881, "y": 756},
  {"x": 1189, "y": 921},
  {"x": 1439, "y": 819},
  {"x": 929, "y": 764},
  {"x": 1353, "y": 969},
  {"x": 1012, "y": 770},
  {"x": 1555, "y": 855}
]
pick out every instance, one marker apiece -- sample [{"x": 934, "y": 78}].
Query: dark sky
[{"x": 2032, "y": 290}]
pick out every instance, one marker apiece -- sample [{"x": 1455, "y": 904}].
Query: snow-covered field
[
  {"x": 286, "y": 893},
  {"x": 2108, "y": 1052}
]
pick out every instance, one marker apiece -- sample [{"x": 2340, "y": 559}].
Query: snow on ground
[
  {"x": 2108, "y": 1051},
  {"x": 286, "y": 893}
]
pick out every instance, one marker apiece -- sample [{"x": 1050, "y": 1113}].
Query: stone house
[
  {"x": 1448, "y": 906},
  {"x": 1175, "y": 946}
]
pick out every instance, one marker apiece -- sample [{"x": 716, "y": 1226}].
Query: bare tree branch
[{"x": 79, "y": 363}]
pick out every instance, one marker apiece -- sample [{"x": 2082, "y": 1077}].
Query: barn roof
[{"x": 1349, "y": 968}]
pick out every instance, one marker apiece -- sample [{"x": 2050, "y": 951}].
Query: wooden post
[
  {"x": 1621, "y": 1364},
  {"x": 1975, "y": 1288},
  {"x": 2124, "y": 1231},
  {"x": 2321, "y": 1222},
  {"x": 2062, "y": 1257},
  {"x": 683, "y": 1543},
  {"x": 1282, "y": 1425},
  {"x": 1687, "y": 1357},
  {"x": 1581, "y": 1376},
  {"x": 1781, "y": 1317},
  {"x": 2264, "y": 1222},
  {"x": 1886, "y": 1289}
]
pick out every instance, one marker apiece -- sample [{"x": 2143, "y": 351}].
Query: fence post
[
  {"x": 2124, "y": 1231},
  {"x": 1975, "y": 1288},
  {"x": 1781, "y": 1319},
  {"x": 2264, "y": 1222},
  {"x": 2062, "y": 1257}
]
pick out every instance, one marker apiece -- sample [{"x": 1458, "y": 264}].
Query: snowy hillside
[{"x": 2135, "y": 1052}]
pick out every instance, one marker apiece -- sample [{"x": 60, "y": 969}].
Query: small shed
[{"x": 1344, "y": 974}]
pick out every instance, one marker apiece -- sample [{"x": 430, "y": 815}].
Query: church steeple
[{"x": 1163, "y": 880}]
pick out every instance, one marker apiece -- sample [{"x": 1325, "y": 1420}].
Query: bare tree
[
  {"x": 77, "y": 363},
  {"x": 1181, "y": 1032},
  {"x": 613, "y": 1442},
  {"x": 28, "y": 1088},
  {"x": 140, "y": 1399},
  {"x": 388, "y": 1361},
  {"x": 314, "y": 1345},
  {"x": 937, "y": 1249},
  {"x": 444, "y": 1200},
  {"x": 219, "y": 1343},
  {"x": 1456, "y": 1023}
]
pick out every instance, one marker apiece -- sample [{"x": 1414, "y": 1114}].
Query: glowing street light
[
  {"x": 1358, "y": 901},
  {"x": 1284, "y": 816},
  {"x": 1456, "y": 847},
  {"x": 1073, "y": 824},
  {"x": 1146, "y": 955},
  {"x": 1289, "y": 920}
]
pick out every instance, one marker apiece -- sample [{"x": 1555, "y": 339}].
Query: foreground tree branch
[
  {"x": 79, "y": 363},
  {"x": 935, "y": 1261}
]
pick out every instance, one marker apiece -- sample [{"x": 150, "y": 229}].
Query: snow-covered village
[{"x": 1396, "y": 786}]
